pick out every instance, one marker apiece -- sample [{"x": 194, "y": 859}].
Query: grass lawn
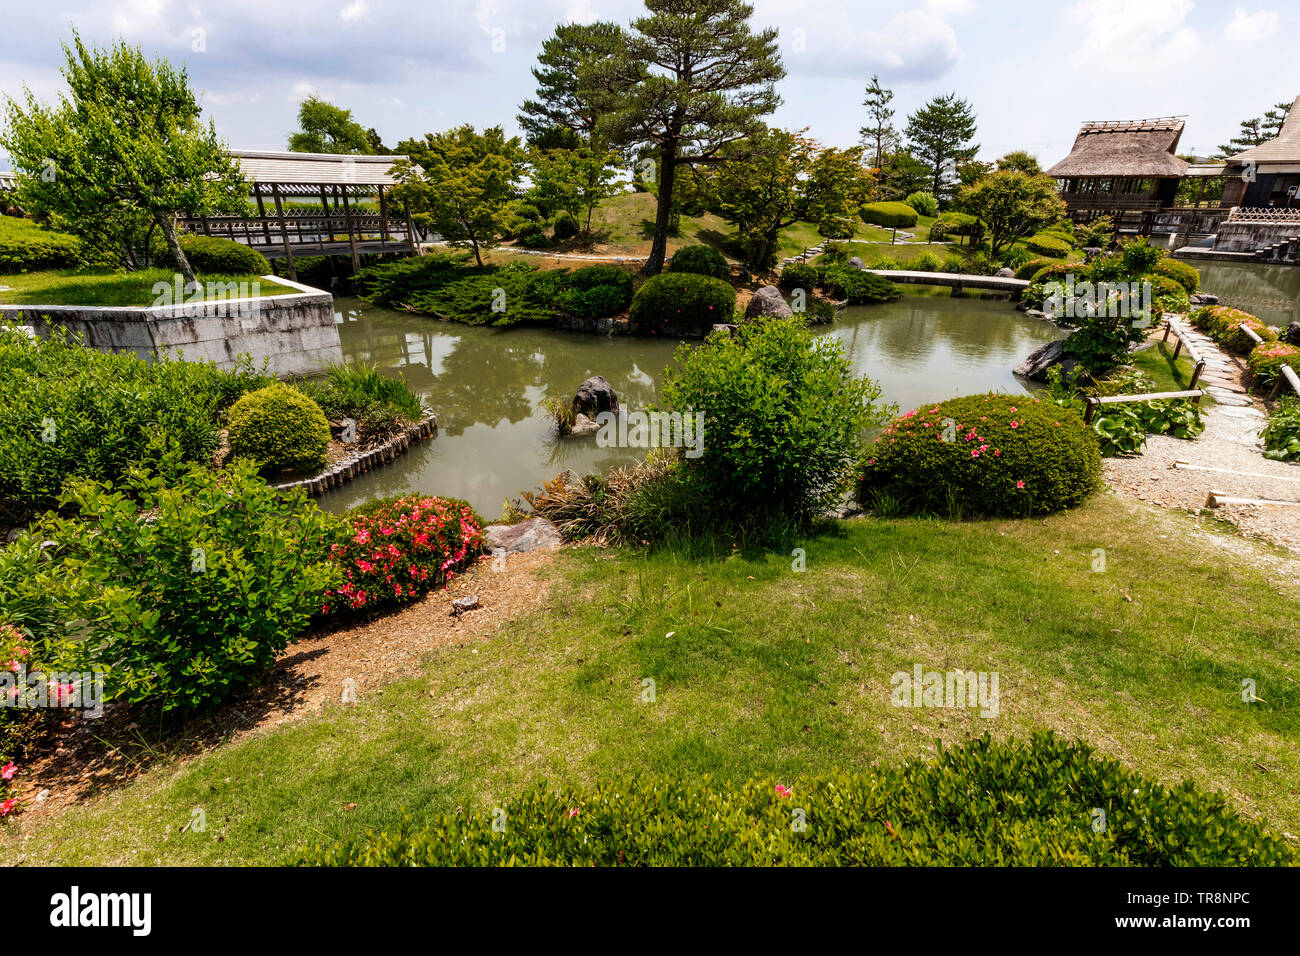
[
  {"x": 761, "y": 668},
  {"x": 1158, "y": 363},
  {"x": 89, "y": 287}
]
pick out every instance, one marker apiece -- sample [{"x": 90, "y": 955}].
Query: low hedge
[
  {"x": 923, "y": 202},
  {"x": 1224, "y": 325},
  {"x": 858, "y": 287},
  {"x": 996, "y": 455},
  {"x": 596, "y": 292},
  {"x": 800, "y": 275},
  {"x": 26, "y": 247},
  {"x": 394, "y": 550},
  {"x": 1282, "y": 433},
  {"x": 1045, "y": 244},
  {"x": 1044, "y": 802},
  {"x": 952, "y": 223},
  {"x": 700, "y": 260},
  {"x": 682, "y": 301},
  {"x": 280, "y": 428},
  {"x": 1266, "y": 361},
  {"x": 890, "y": 215},
  {"x": 1032, "y": 268},
  {"x": 214, "y": 256},
  {"x": 1182, "y": 273}
]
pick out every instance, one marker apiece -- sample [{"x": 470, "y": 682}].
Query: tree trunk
[
  {"x": 474, "y": 242},
  {"x": 168, "y": 228},
  {"x": 663, "y": 211}
]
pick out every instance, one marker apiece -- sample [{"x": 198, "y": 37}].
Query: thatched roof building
[{"x": 1125, "y": 148}]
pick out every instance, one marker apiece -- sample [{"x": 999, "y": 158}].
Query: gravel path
[{"x": 1227, "y": 458}]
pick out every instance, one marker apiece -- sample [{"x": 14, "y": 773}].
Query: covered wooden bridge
[{"x": 316, "y": 204}]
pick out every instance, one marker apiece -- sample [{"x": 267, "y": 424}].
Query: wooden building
[
  {"x": 1124, "y": 169},
  {"x": 316, "y": 204},
  {"x": 1268, "y": 176}
]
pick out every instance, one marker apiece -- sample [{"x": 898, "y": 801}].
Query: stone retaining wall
[
  {"x": 344, "y": 471},
  {"x": 294, "y": 333}
]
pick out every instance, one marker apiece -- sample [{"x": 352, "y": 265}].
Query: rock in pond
[
  {"x": 1041, "y": 359},
  {"x": 595, "y": 395},
  {"x": 768, "y": 301},
  {"x": 528, "y": 535}
]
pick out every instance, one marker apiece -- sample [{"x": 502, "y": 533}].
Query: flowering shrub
[
  {"x": 1266, "y": 361},
  {"x": 1224, "y": 325},
  {"x": 13, "y": 652},
  {"x": 394, "y": 550},
  {"x": 985, "y": 455}
]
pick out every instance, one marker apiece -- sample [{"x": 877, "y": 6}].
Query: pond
[
  {"x": 1271, "y": 293},
  {"x": 487, "y": 385}
]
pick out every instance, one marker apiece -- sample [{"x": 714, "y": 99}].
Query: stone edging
[{"x": 344, "y": 471}]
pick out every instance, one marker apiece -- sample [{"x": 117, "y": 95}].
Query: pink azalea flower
[
  {"x": 783, "y": 791},
  {"x": 1020, "y": 484},
  {"x": 7, "y": 807},
  {"x": 7, "y": 771}
]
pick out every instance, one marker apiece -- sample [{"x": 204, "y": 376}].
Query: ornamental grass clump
[
  {"x": 987, "y": 455},
  {"x": 394, "y": 550}
]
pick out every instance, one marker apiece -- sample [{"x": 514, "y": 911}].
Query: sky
[{"x": 1033, "y": 71}]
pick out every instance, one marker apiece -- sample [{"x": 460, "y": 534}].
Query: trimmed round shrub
[
  {"x": 215, "y": 256},
  {"x": 1266, "y": 361},
  {"x": 800, "y": 275},
  {"x": 1166, "y": 295},
  {"x": 532, "y": 235},
  {"x": 682, "y": 302},
  {"x": 1185, "y": 275},
  {"x": 280, "y": 428},
  {"x": 394, "y": 550},
  {"x": 858, "y": 287},
  {"x": 994, "y": 455},
  {"x": 566, "y": 227},
  {"x": 952, "y": 223},
  {"x": 25, "y": 246},
  {"x": 597, "y": 292},
  {"x": 1031, "y": 268},
  {"x": 890, "y": 215},
  {"x": 1044, "y": 244},
  {"x": 924, "y": 203},
  {"x": 982, "y": 803},
  {"x": 1058, "y": 271},
  {"x": 701, "y": 260}
]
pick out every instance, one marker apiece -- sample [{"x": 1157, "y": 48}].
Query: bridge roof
[{"x": 314, "y": 169}]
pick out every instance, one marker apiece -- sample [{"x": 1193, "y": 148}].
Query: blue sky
[{"x": 1033, "y": 71}]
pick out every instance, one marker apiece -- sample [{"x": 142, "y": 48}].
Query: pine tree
[
  {"x": 939, "y": 134},
  {"x": 879, "y": 136}
]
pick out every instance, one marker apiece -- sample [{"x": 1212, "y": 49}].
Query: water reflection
[
  {"x": 1270, "y": 292},
  {"x": 487, "y": 385}
]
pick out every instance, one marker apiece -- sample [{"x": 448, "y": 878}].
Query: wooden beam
[
  {"x": 410, "y": 228},
  {"x": 352, "y": 232},
  {"x": 383, "y": 218},
  {"x": 284, "y": 232},
  {"x": 1092, "y": 401},
  {"x": 1216, "y": 498},
  {"x": 261, "y": 212}
]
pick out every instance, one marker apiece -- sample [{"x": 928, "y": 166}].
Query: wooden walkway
[{"x": 952, "y": 280}]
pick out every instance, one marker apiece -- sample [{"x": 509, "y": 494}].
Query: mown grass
[
  {"x": 759, "y": 668},
  {"x": 97, "y": 287}
]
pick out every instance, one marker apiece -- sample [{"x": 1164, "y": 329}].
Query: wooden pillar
[
  {"x": 410, "y": 229},
  {"x": 352, "y": 232},
  {"x": 383, "y": 218},
  {"x": 261, "y": 212},
  {"x": 284, "y": 232}
]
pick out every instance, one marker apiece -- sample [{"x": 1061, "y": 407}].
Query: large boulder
[
  {"x": 595, "y": 395},
  {"x": 856, "y": 263},
  {"x": 1005, "y": 273},
  {"x": 1041, "y": 359},
  {"x": 528, "y": 535},
  {"x": 1292, "y": 334},
  {"x": 768, "y": 302}
]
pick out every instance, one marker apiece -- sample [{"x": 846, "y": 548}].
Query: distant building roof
[
  {"x": 1284, "y": 149},
  {"x": 314, "y": 169},
  {"x": 1125, "y": 148}
]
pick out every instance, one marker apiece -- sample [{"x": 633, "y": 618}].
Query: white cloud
[
  {"x": 356, "y": 10},
  {"x": 1146, "y": 37},
  {"x": 918, "y": 44},
  {"x": 1252, "y": 27},
  {"x": 947, "y": 7}
]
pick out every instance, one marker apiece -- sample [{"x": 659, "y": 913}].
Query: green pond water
[{"x": 487, "y": 385}]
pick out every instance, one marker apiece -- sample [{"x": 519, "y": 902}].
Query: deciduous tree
[{"x": 1012, "y": 204}]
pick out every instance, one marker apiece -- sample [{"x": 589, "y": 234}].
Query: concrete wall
[
  {"x": 295, "y": 332},
  {"x": 1252, "y": 236}
]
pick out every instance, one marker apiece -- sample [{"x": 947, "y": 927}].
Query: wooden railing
[
  {"x": 1093, "y": 401},
  {"x": 1184, "y": 341},
  {"x": 309, "y": 230}
]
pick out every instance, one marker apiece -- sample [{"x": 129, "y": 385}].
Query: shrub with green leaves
[
  {"x": 1031, "y": 268},
  {"x": 26, "y": 247},
  {"x": 447, "y": 287},
  {"x": 566, "y": 226},
  {"x": 984, "y": 803},
  {"x": 783, "y": 418},
  {"x": 379, "y": 403},
  {"x": 1266, "y": 361},
  {"x": 193, "y": 605},
  {"x": 858, "y": 287},
  {"x": 924, "y": 203},
  {"x": 280, "y": 429},
  {"x": 1167, "y": 295},
  {"x": 1052, "y": 246},
  {"x": 681, "y": 302},
  {"x": 953, "y": 223},
  {"x": 216, "y": 256},
  {"x": 701, "y": 260},
  {"x": 1282, "y": 433},
  {"x": 596, "y": 292},
  {"x": 995, "y": 455},
  {"x": 800, "y": 275},
  {"x": 71, "y": 411},
  {"x": 889, "y": 215},
  {"x": 927, "y": 262},
  {"x": 1185, "y": 275}
]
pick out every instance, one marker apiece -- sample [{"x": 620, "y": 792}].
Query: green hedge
[
  {"x": 1045, "y": 802},
  {"x": 214, "y": 256},
  {"x": 858, "y": 287},
  {"x": 997, "y": 455},
  {"x": 890, "y": 215},
  {"x": 1180, "y": 272},
  {"x": 280, "y": 429},
  {"x": 25, "y": 247},
  {"x": 597, "y": 291},
  {"x": 700, "y": 260},
  {"x": 682, "y": 301},
  {"x": 1044, "y": 244},
  {"x": 1032, "y": 268},
  {"x": 800, "y": 275}
]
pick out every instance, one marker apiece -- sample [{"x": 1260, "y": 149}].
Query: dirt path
[{"x": 1227, "y": 457}]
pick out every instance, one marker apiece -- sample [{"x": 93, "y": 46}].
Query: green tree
[
  {"x": 901, "y": 174},
  {"x": 1012, "y": 204},
  {"x": 573, "y": 84},
  {"x": 573, "y": 180},
  {"x": 1256, "y": 131},
  {"x": 781, "y": 178},
  {"x": 694, "y": 78},
  {"x": 939, "y": 134},
  {"x": 460, "y": 183},
  {"x": 1020, "y": 161},
  {"x": 327, "y": 128},
  {"x": 125, "y": 155},
  {"x": 879, "y": 134}
]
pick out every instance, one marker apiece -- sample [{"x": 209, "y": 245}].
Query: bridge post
[{"x": 957, "y": 291}]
